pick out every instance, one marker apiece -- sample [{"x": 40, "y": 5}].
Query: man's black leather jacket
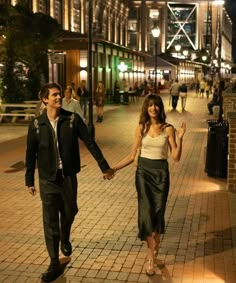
[{"x": 41, "y": 147}]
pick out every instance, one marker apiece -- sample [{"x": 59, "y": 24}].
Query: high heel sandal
[{"x": 150, "y": 271}]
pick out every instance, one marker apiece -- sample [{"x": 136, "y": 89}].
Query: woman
[
  {"x": 99, "y": 101},
  {"x": 155, "y": 138}
]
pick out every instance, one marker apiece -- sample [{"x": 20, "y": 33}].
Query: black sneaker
[
  {"x": 66, "y": 248},
  {"x": 53, "y": 272}
]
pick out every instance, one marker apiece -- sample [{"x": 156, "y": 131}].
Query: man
[
  {"x": 71, "y": 104},
  {"x": 52, "y": 141},
  {"x": 217, "y": 100},
  {"x": 202, "y": 88},
  {"x": 174, "y": 91}
]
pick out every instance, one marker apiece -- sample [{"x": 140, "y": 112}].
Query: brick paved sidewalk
[{"x": 198, "y": 246}]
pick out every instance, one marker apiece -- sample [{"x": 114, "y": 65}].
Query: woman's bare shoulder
[{"x": 168, "y": 128}]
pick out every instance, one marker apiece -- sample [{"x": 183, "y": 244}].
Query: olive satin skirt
[{"x": 152, "y": 185}]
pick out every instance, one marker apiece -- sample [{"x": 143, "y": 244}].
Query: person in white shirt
[
  {"x": 71, "y": 104},
  {"x": 155, "y": 140}
]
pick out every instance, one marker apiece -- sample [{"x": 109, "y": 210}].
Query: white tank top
[{"x": 155, "y": 148}]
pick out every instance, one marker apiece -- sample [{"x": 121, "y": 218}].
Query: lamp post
[
  {"x": 155, "y": 33},
  {"x": 177, "y": 49},
  {"x": 91, "y": 128}
]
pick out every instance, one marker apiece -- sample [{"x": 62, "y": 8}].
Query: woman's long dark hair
[{"x": 144, "y": 116}]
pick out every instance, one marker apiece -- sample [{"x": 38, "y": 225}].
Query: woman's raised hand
[{"x": 181, "y": 131}]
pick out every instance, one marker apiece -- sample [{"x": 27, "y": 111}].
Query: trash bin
[{"x": 217, "y": 148}]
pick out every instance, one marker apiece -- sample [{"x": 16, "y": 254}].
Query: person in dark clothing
[
  {"x": 217, "y": 100},
  {"x": 174, "y": 91},
  {"x": 83, "y": 95},
  {"x": 116, "y": 92},
  {"x": 52, "y": 142},
  {"x": 183, "y": 89}
]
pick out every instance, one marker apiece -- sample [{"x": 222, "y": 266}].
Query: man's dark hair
[{"x": 44, "y": 92}]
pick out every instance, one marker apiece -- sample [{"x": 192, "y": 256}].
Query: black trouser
[
  {"x": 210, "y": 106},
  {"x": 84, "y": 105},
  {"x": 59, "y": 209},
  {"x": 174, "y": 101}
]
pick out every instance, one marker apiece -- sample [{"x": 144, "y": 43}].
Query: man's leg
[
  {"x": 51, "y": 203},
  {"x": 68, "y": 212},
  {"x": 210, "y": 108},
  {"x": 174, "y": 101},
  {"x": 85, "y": 106}
]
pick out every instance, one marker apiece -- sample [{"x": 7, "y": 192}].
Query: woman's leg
[
  {"x": 100, "y": 113},
  {"x": 150, "y": 270},
  {"x": 97, "y": 110},
  {"x": 157, "y": 240}
]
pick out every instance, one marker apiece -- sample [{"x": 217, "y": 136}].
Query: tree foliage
[{"x": 26, "y": 38}]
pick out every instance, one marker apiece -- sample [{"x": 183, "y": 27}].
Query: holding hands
[{"x": 109, "y": 174}]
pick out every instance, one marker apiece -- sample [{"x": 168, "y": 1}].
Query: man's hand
[
  {"x": 109, "y": 174},
  {"x": 32, "y": 190}
]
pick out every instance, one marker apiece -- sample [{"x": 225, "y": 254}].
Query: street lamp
[
  {"x": 91, "y": 128},
  {"x": 185, "y": 53},
  {"x": 204, "y": 58},
  {"x": 155, "y": 33},
  {"x": 177, "y": 49}
]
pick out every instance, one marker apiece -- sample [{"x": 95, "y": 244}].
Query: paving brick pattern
[{"x": 199, "y": 243}]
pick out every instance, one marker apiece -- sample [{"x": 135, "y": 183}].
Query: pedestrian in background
[
  {"x": 83, "y": 95},
  {"x": 53, "y": 142},
  {"x": 207, "y": 89},
  {"x": 156, "y": 139},
  {"x": 99, "y": 98},
  {"x": 174, "y": 92},
  {"x": 71, "y": 104},
  {"x": 40, "y": 106},
  {"x": 202, "y": 88},
  {"x": 217, "y": 100},
  {"x": 183, "y": 95},
  {"x": 197, "y": 87},
  {"x": 116, "y": 97}
]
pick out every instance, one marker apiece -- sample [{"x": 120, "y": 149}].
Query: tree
[{"x": 26, "y": 38}]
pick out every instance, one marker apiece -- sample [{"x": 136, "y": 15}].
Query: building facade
[
  {"x": 68, "y": 61},
  {"x": 123, "y": 45},
  {"x": 201, "y": 28}
]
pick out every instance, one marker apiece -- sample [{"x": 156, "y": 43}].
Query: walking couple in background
[
  {"x": 178, "y": 91},
  {"x": 52, "y": 141}
]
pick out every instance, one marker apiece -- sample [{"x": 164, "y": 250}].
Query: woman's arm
[
  {"x": 131, "y": 156},
  {"x": 175, "y": 141}
]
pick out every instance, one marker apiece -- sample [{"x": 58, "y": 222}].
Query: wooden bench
[
  {"x": 15, "y": 114},
  {"x": 16, "y": 110}
]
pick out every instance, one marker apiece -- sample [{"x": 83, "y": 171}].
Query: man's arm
[
  {"x": 91, "y": 145},
  {"x": 31, "y": 155}
]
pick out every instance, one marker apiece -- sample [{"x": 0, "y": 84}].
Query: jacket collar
[{"x": 64, "y": 115}]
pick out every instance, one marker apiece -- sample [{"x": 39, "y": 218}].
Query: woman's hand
[{"x": 181, "y": 131}]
